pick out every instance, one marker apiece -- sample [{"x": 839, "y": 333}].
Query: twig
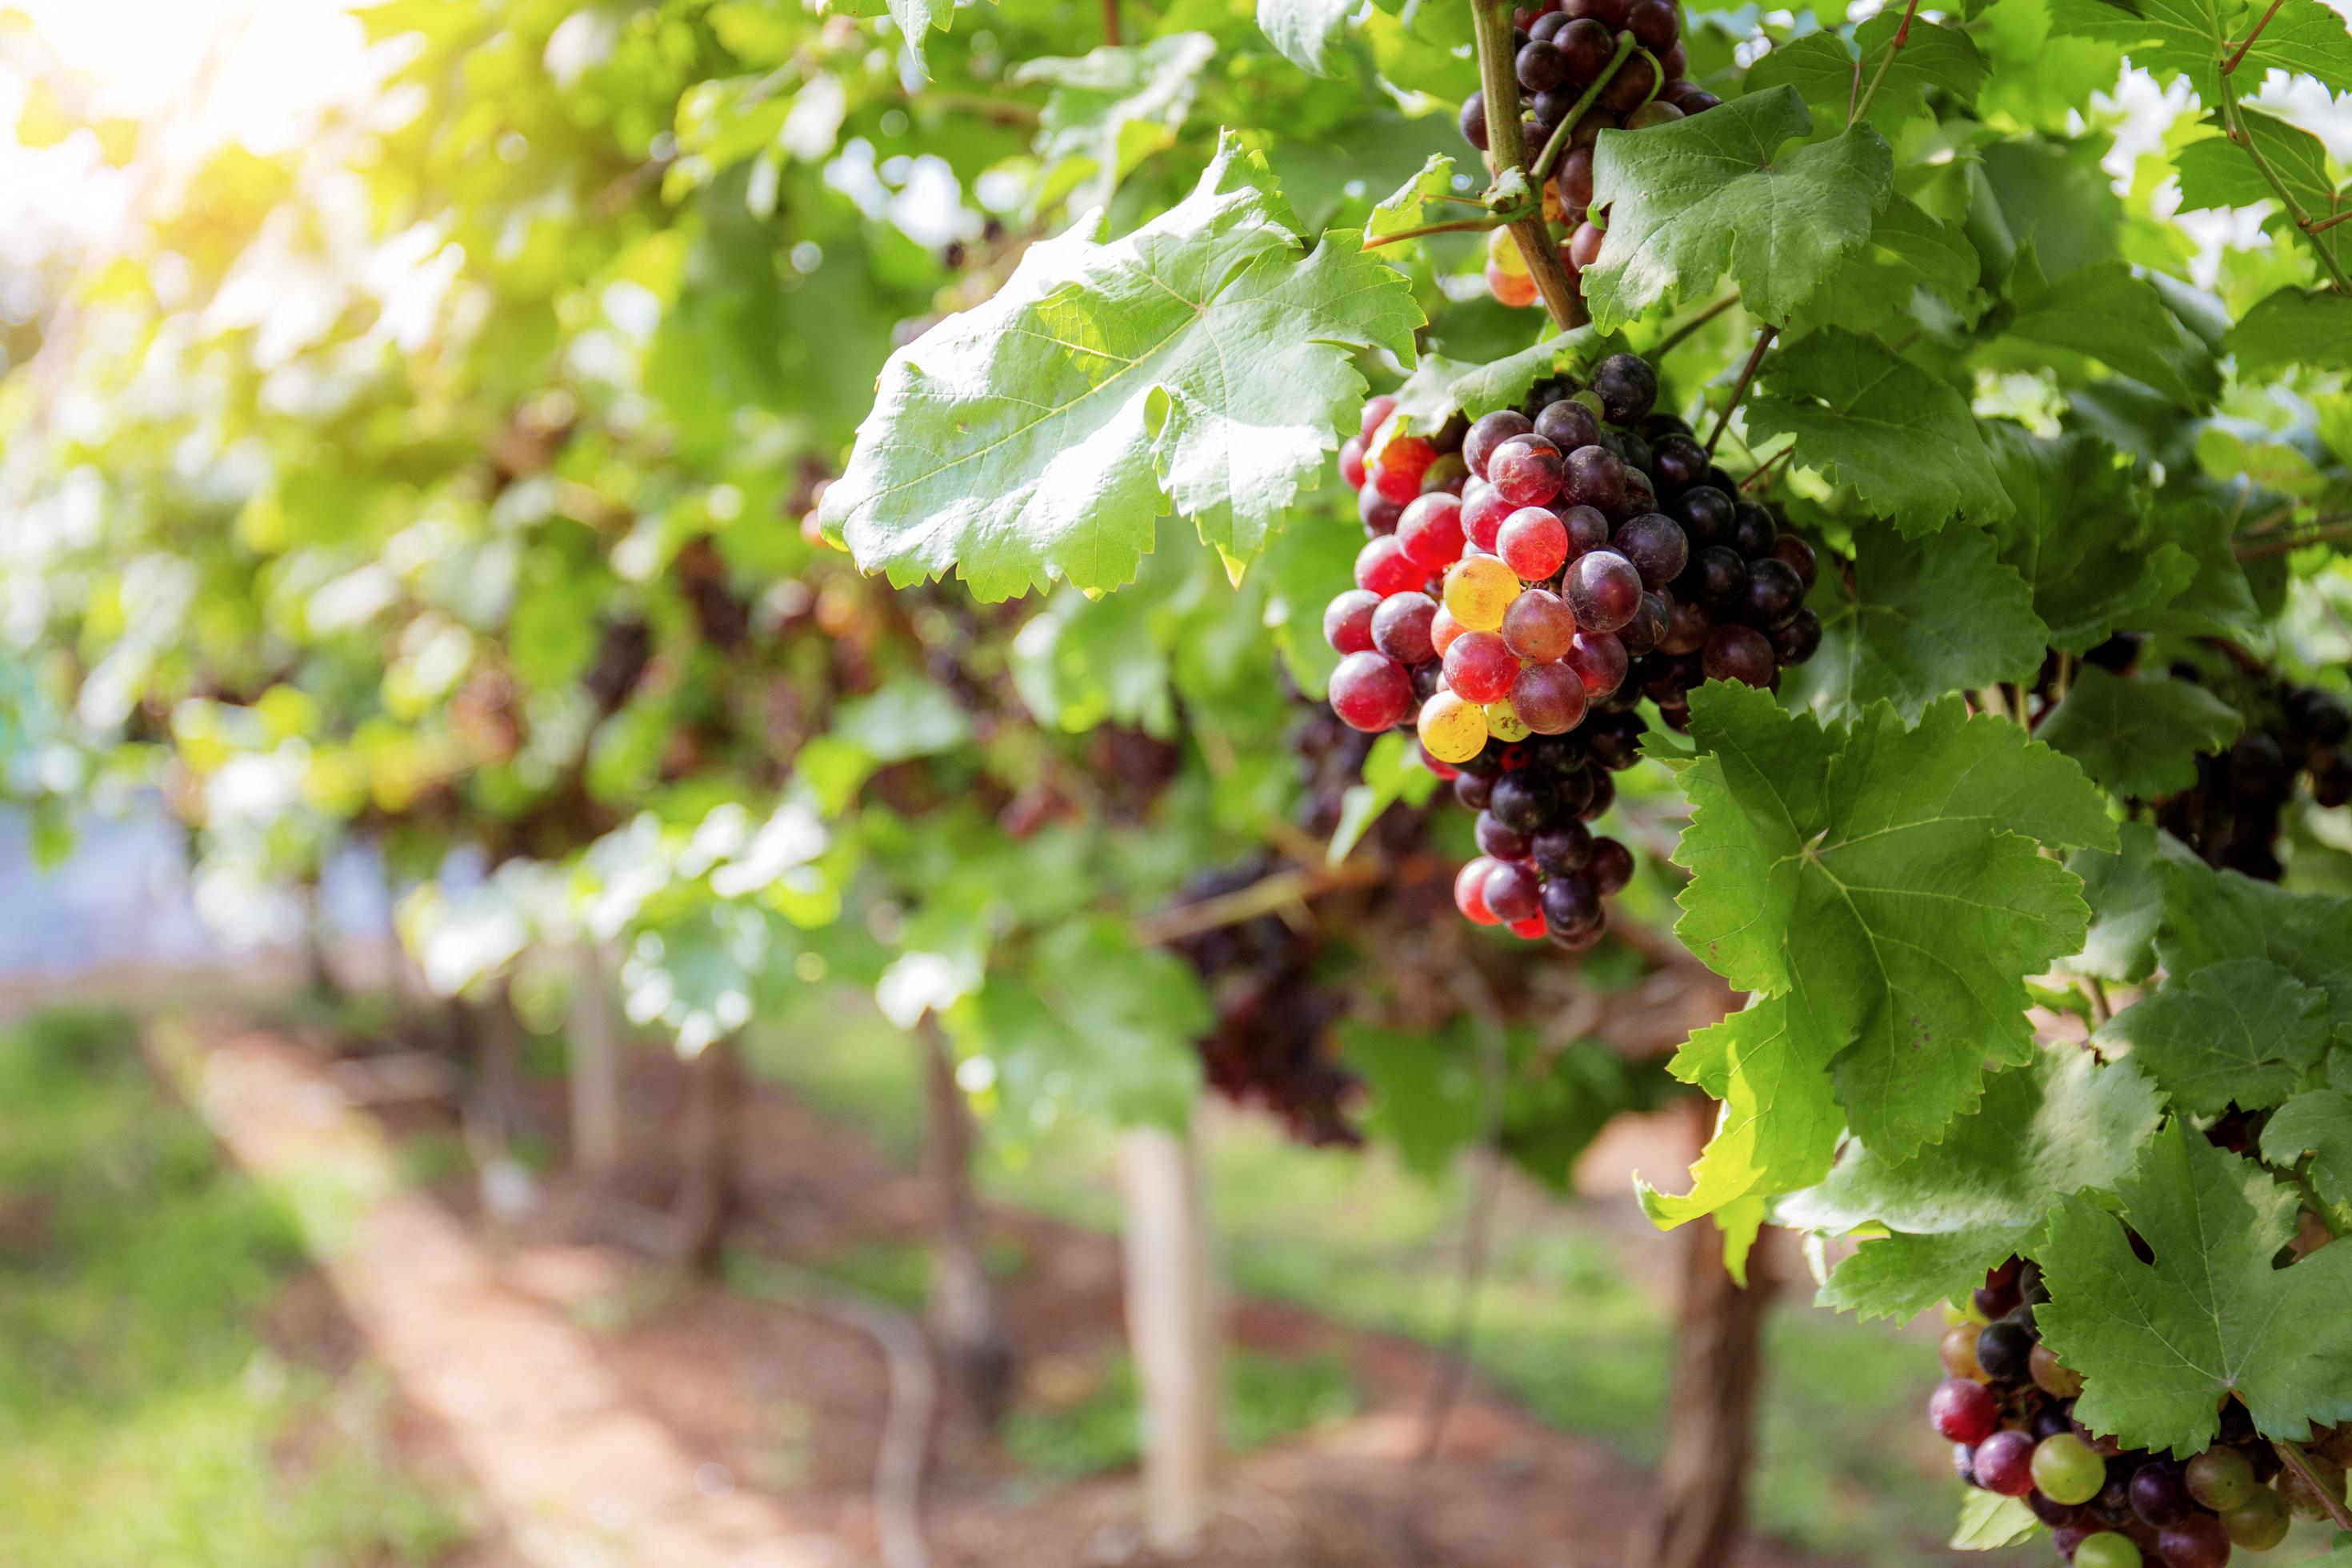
[
  {"x": 2240, "y": 52},
  {"x": 1454, "y": 1363},
  {"x": 2100, "y": 1009},
  {"x": 1894, "y": 47},
  {"x": 1506, "y": 147},
  {"x": 1675, "y": 339},
  {"x": 2318, "y": 534},
  {"x": 1555, "y": 146},
  {"x": 2236, "y": 119},
  {"x": 2292, "y": 1453},
  {"x": 1110, "y": 23},
  {"x": 1262, "y": 896},
  {"x": 1764, "y": 469},
  {"x": 1746, "y": 374},
  {"x": 1452, "y": 225},
  {"x": 2324, "y": 225}
]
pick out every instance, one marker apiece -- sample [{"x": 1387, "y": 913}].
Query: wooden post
[
  {"x": 1702, "y": 1500},
  {"x": 593, "y": 1069},
  {"x": 1173, "y": 1327},
  {"x": 706, "y": 1190},
  {"x": 317, "y": 968},
  {"x": 964, "y": 1316}
]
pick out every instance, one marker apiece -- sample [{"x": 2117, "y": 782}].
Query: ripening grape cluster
[
  {"x": 1531, "y": 577},
  {"x": 2007, "y": 1405},
  {"x": 1560, "y": 49},
  {"x": 2230, "y": 816}
]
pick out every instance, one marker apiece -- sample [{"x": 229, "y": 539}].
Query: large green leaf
[
  {"x": 1202, "y": 361},
  {"x": 2076, "y": 534},
  {"x": 2317, "y": 1125},
  {"x": 2210, "y": 916},
  {"x": 1903, "y": 441},
  {"x": 1914, "y": 619},
  {"x": 2240, "y": 1031},
  {"x": 2059, "y": 1124},
  {"x": 1111, "y": 110},
  {"x": 1440, "y": 386},
  {"x": 2160, "y": 1343},
  {"x": 1303, "y": 29},
  {"x": 2107, "y": 314},
  {"x": 2293, "y": 327},
  {"x": 1716, "y": 190},
  {"x": 2138, "y": 738},
  {"x": 1890, "y": 880},
  {"x": 1908, "y": 252},
  {"x": 1822, "y": 67}
]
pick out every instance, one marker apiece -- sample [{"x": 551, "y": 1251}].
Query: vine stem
[
  {"x": 2240, "y": 52},
  {"x": 1675, "y": 339},
  {"x": 2319, "y": 532},
  {"x": 2292, "y": 1453},
  {"x": 1763, "y": 470},
  {"x": 1452, "y": 225},
  {"x": 1506, "y": 147},
  {"x": 2327, "y": 223},
  {"x": 1893, "y": 47},
  {"x": 1555, "y": 147},
  {"x": 1264, "y": 897},
  {"x": 1111, "y": 30},
  {"x": 2235, "y": 116},
  {"x": 1746, "y": 375}
]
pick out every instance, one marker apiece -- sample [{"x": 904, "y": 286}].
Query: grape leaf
[
  {"x": 2158, "y": 1343},
  {"x": 1202, "y": 361},
  {"x": 1889, "y": 879},
  {"x": 1690, "y": 199},
  {"x": 1391, "y": 773},
  {"x": 1903, "y": 442},
  {"x": 2294, "y": 326},
  {"x": 1109, "y": 111},
  {"x": 2055, "y": 196},
  {"x": 2077, "y": 534},
  {"x": 2209, "y": 916},
  {"x": 1907, "y": 251},
  {"x": 1990, "y": 1521},
  {"x": 2125, "y": 889},
  {"x": 1918, "y": 619},
  {"x": 2317, "y": 1124},
  {"x": 2106, "y": 312},
  {"x": 2060, "y": 1123},
  {"x": 2306, "y": 36},
  {"x": 2169, "y": 38},
  {"x": 1821, "y": 67},
  {"x": 1433, "y": 392},
  {"x": 2136, "y": 738},
  {"x": 2242, "y": 1030},
  {"x": 1301, "y": 30},
  {"x": 1779, "y": 1122},
  {"x": 1407, "y": 206}
]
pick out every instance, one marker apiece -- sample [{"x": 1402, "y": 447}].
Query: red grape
[
  {"x": 1383, "y": 568},
  {"x": 1528, "y": 929},
  {"x": 1483, "y": 514},
  {"x": 2197, "y": 1541},
  {"x": 1490, "y": 431},
  {"x": 1348, "y": 620},
  {"x": 1587, "y": 530},
  {"x": 1525, "y": 470},
  {"x": 1599, "y": 660},
  {"x": 1401, "y": 627},
  {"x": 1480, "y": 666},
  {"x": 1540, "y": 624},
  {"x": 1370, "y": 691},
  {"x": 1376, "y": 413},
  {"x": 1470, "y": 892},
  {"x": 1396, "y": 468},
  {"x": 1742, "y": 654},
  {"x": 1352, "y": 462},
  {"x": 1964, "y": 1412},
  {"x": 1443, "y": 629},
  {"x": 1575, "y": 182},
  {"x": 1605, "y": 591},
  {"x": 1430, "y": 532},
  {"x": 1584, "y": 245},
  {"x": 1532, "y": 543},
  {"x": 2005, "y": 1463},
  {"x": 1549, "y": 699},
  {"x": 1513, "y": 893}
]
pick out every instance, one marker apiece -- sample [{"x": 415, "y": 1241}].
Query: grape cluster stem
[
  {"x": 1507, "y": 149},
  {"x": 2290, "y": 1454},
  {"x": 1266, "y": 896},
  {"x": 1556, "y": 147},
  {"x": 1746, "y": 375}
]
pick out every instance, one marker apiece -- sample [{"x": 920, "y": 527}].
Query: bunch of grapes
[
  {"x": 1529, "y": 580},
  {"x": 1268, "y": 1046},
  {"x": 1560, "y": 48},
  {"x": 2007, "y": 1405},
  {"x": 2230, "y": 815}
]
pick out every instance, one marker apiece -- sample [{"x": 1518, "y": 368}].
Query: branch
[
  {"x": 1763, "y": 470},
  {"x": 1506, "y": 147},
  {"x": 1894, "y": 47},
  {"x": 1453, "y": 225},
  {"x": 1556, "y": 147},
  {"x": 2320, "y": 533},
  {"x": 2240, "y": 52},
  {"x": 1110, "y": 23},
  {"x": 1675, "y": 339},
  {"x": 2231, "y": 112},
  {"x": 2326, "y": 222},
  {"x": 1746, "y": 374},
  {"x": 2294, "y": 1456},
  {"x": 1263, "y": 896},
  {"x": 1454, "y": 1365}
]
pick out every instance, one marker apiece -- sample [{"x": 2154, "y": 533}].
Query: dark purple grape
[
  {"x": 1586, "y": 46},
  {"x": 1540, "y": 67},
  {"x": 1446, "y": 472},
  {"x": 1641, "y": 633},
  {"x": 1964, "y": 1463},
  {"x": 1473, "y": 120},
  {"x": 2048, "y": 1421},
  {"x": 1611, "y": 865},
  {"x": 2197, "y": 1540},
  {"x": 1676, "y": 62},
  {"x": 1677, "y": 463},
  {"x": 1380, "y": 513},
  {"x": 1401, "y": 627},
  {"x": 2051, "y": 1512},
  {"x": 1502, "y": 843},
  {"x": 1798, "y": 556},
  {"x": 1563, "y": 849},
  {"x": 1688, "y": 625},
  {"x": 1603, "y": 796},
  {"x": 1425, "y": 679},
  {"x": 1574, "y": 179},
  {"x": 2004, "y": 1460},
  {"x": 2158, "y": 1493},
  {"x": 1571, "y": 904},
  {"x": 1740, "y": 654},
  {"x": 1655, "y": 545},
  {"x": 1490, "y": 432},
  {"x": 1615, "y": 746},
  {"x": 1512, "y": 892},
  {"x": 2003, "y": 1348},
  {"x": 1527, "y": 804},
  {"x": 1641, "y": 496},
  {"x": 1630, "y": 88},
  {"x": 1587, "y": 530},
  {"x": 1754, "y": 533},
  {"x": 1593, "y": 477},
  {"x": 1604, "y": 589},
  {"x": 1654, "y": 24},
  {"x": 1706, "y": 514},
  {"x": 1716, "y": 577},
  {"x": 1584, "y": 245},
  {"x": 1773, "y": 595},
  {"x": 1697, "y": 102},
  {"x": 1609, "y": 13},
  {"x": 1799, "y": 640},
  {"x": 1576, "y": 787},
  {"x": 1473, "y": 791},
  {"x": 1628, "y": 387},
  {"x": 1548, "y": 26},
  {"x": 1567, "y": 423},
  {"x": 1634, "y": 453}
]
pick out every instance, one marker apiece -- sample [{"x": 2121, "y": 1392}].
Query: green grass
[
  {"x": 1847, "y": 1465},
  {"x": 1266, "y": 1398},
  {"x": 143, "y": 1419}
]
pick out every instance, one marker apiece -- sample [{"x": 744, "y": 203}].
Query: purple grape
[
  {"x": 1587, "y": 530},
  {"x": 1401, "y": 627},
  {"x": 1755, "y": 533},
  {"x": 1716, "y": 577},
  {"x": 1706, "y": 514},
  {"x": 1593, "y": 477},
  {"x": 1641, "y": 633},
  {"x": 1567, "y": 423},
  {"x": 1604, "y": 589},
  {"x": 1611, "y": 865},
  {"x": 1677, "y": 463},
  {"x": 1490, "y": 432},
  {"x": 1627, "y": 386},
  {"x": 1502, "y": 843},
  {"x": 1571, "y": 904},
  {"x": 1564, "y": 848},
  {"x": 1654, "y": 544},
  {"x": 1740, "y": 654},
  {"x": 1773, "y": 595},
  {"x": 1473, "y": 120}
]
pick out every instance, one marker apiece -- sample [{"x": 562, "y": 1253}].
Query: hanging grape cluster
[
  {"x": 2230, "y": 816},
  {"x": 2007, "y": 1405},
  {"x": 1529, "y": 580},
  {"x": 1589, "y": 66}
]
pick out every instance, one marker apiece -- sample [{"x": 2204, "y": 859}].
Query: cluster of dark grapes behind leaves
[
  {"x": 2007, "y": 1405},
  {"x": 1613, "y": 65},
  {"x": 1529, "y": 579},
  {"x": 2230, "y": 815}
]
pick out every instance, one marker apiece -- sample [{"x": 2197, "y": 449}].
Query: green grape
[
  {"x": 2221, "y": 1478},
  {"x": 2106, "y": 1550},
  {"x": 2258, "y": 1523},
  {"x": 2066, "y": 1469}
]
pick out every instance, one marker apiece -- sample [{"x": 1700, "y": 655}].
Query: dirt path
[{"x": 613, "y": 1412}]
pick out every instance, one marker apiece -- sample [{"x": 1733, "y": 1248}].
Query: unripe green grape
[
  {"x": 2066, "y": 1470},
  {"x": 2258, "y": 1523},
  {"x": 2221, "y": 1478},
  {"x": 2051, "y": 1376},
  {"x": 2107, "y": 1549}
]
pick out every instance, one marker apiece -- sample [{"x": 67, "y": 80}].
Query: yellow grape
[
  {"x": 1503, "y": 252},
  {"x": 1454, "y": 730},
  {"x": 1503, "y": 722},
  {"x": 1478, "y": 589}
]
